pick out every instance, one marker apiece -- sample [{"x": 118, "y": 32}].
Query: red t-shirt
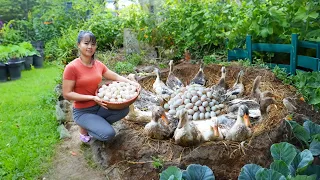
[{"x": 87, "y": 79}]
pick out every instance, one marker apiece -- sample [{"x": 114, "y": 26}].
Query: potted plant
[
  {"x": 15, "y": 62},
  {"x": 4, "y": 55},
  {"x": 38, "y": 59},
  {"x": 30, "y": 51}
]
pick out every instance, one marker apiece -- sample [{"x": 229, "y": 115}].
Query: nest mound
[{"x": 130, "y": 154}]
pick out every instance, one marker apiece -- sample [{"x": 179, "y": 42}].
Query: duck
[
  {"x": 173, "y": 82},
  {"x": 256, "y": 109},
  {"x": 288, "y": 103},
  {"x": 237, "y": 89},
  {"x": 291, "y": 104},
  {"x": 138, "y": 116},
  {"x": 209, "y": 129},
  {"x": 186, "y": 133},
  {"x": 160, "y": 88},
  {"x": 219, "y": 90},
  {"x": 240, "y": 130},
  {"x": 221, "y": 85},
  {"x": 256, "y": 92},
  {"x": 146, "y": 100},
  {"x": 158, "y": 127},
  {"x": 199, "y": 78}
]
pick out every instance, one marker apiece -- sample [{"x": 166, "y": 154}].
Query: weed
[
  {"x": 157, "y": 162},
  {"x": 107, "y": 57},
  {"x": 134, "y": 59},
  {"x": 282, "y": 75},
  {"x": 209, "y": 59},
  {"x": 163, "y": 65},
  {"x": 245, "y": 62},
  {"x": 124, "y": 67}
]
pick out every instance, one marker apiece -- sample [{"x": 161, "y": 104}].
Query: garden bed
[{"x": 132, "y": 155}]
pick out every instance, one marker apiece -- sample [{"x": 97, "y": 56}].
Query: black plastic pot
[
  {"x": 27, "y": 63},
  {"x": 15, "y": 60},
  {"x": 22, "y": 64},
  {"x": 14, "y": 70},
  {"x": 3, "y": 72},
  {"x": 38, "y": 61}
]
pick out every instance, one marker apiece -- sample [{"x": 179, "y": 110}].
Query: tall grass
[{"x": 27, "y": 124}]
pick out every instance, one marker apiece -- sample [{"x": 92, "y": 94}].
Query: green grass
[{"x": 27, "y": 124}]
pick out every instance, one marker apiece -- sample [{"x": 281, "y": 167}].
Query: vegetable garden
[{"x": 286, "y": 145}]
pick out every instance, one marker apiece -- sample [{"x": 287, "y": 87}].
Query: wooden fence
[{"x": 296, "y": 60}]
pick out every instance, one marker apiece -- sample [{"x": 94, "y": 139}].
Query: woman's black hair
[{"x": 91, "y": 36}]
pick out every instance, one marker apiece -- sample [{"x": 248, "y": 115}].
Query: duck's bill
[
  {"x": 215, "y": 130},
  {"x": 164, "y": 118},
  {"x": 246, "y": 119}
]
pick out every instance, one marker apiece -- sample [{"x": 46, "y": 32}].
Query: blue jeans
[{"x": 98, "y": 120}]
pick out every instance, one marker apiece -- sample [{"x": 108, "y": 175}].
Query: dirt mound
[{"x": 130, "y": 154}]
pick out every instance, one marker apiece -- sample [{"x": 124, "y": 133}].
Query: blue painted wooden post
[
  {"x": 318, "y": 54},
  {"x": 318, "y": 50},
  {"x": 249, "y": 47},
  {"x": 293, "y": 54}
]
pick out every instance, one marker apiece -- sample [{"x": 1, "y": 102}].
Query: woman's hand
[{"x": 100, "y": 102}]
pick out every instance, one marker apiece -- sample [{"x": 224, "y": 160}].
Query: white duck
[
  {"x": 256, "y": 92},
  {"x": 238, "y": 87},
  {"x": 209, "y": 129},
  {"x": 221, "y": 85},
  {"x": 186, "y": 133},
  {"x": 173, "y": 82},
  {"x": 240, "y": 130},
  {"x": 156, "y": 129},
  {"x": 163, "y": 91},
  {"x": 199, "y": 78}
]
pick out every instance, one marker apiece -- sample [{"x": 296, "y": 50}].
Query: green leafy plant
[
  {"x": 4, "y": 53},
  {"x": 307, "y": 84},
  {"x": 193, "y": 171},
  {"x": 124, "y": 67},
  {"x": 282, "y": 75},
  {"x": 9, "y": 35},
  {"x": 157, "y": 162},
  {"x": 172, "y": 173},
  {"x": 245, "y": 62},
  {"x": 64, "y": 49},
  {"x": 107, "y": 28},
  {"x": 29, "y": 49},
  {"x": 309, "y": 134},
  {"x": 16, "y": 51},
  {"x": 134, "y": 59},
  {"x": 289, "y": 163},
  {"x": 210, "y": 59}
]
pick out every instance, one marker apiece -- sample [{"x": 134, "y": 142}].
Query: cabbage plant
[
  {"x": 289, "y": 163},
  {"x": 193, "y": 171}
]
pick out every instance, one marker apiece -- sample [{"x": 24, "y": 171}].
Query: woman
[{"x": 81, "y": 78}]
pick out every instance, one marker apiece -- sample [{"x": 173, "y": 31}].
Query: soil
[{"x": 130, "y": 155}]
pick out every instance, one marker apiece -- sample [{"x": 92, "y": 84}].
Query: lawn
[{"x": 27, "y": 124}]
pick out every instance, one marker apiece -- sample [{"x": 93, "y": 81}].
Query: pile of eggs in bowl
[{"x": 117, "y": 92}]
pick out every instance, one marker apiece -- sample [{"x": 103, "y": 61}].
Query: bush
[
  {"x": 124, "y": 67},
  {"x": 107, "y": 29}
]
